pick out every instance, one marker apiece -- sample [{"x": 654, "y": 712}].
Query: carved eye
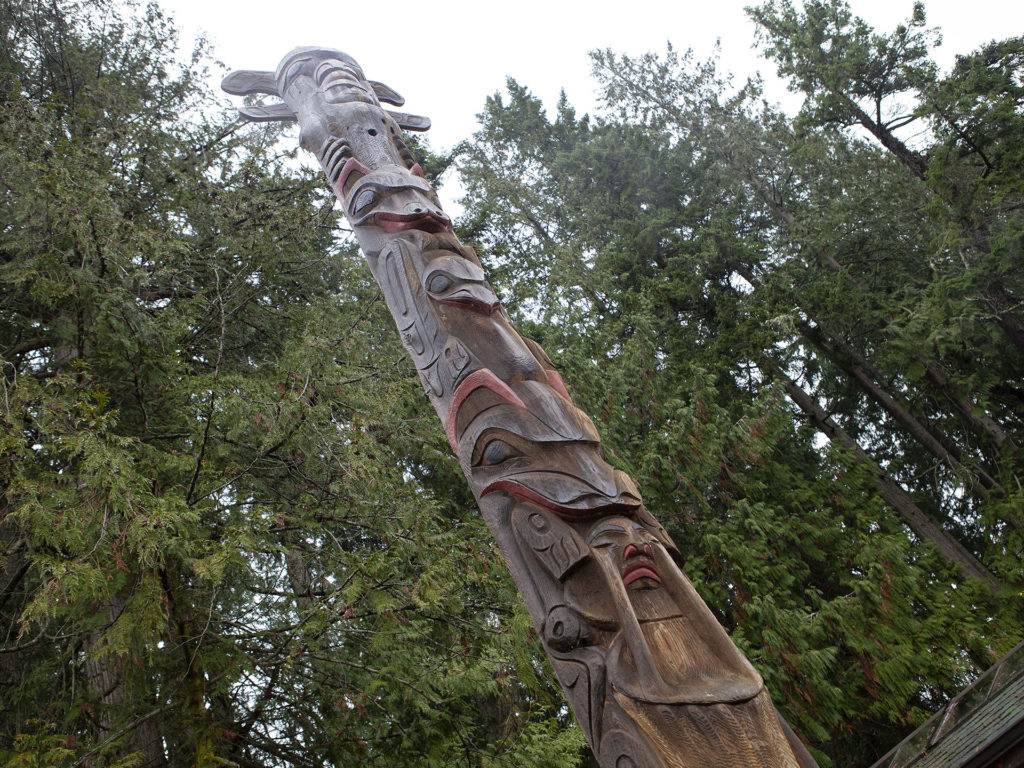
[
  {"x": 606, "y": 535},
  {"x": 363, "y": 201},
  {"x": 439, "y": 284},
  {"x": 496, "y": 452}
]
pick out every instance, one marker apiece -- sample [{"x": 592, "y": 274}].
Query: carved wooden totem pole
[{"x": 653, "y": 679}]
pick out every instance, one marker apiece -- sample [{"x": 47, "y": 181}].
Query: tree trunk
[
  {"x": 13, "y": 567},
  {"x": 918, "y": 521},
  {"x": 982, "y": 425},
  {"x": 104, "y": 672},
  {"x": 914, "y": 162},
  {"x": 938, "y": 443},
  {"x": 848, "y": 359}
]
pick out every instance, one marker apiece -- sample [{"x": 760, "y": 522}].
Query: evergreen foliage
[
  {"x": 230, "y": 529},
  {"x": 801, "y": 336}
]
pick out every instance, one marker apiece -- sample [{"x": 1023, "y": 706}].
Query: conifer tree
[
  {"x": 742, "y": 297},
  {"x": 227, "y": 534}
]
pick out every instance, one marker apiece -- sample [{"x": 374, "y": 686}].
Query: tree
[
  {"x": 743, "y": 299},
  {"x": 227, "y": 525}
]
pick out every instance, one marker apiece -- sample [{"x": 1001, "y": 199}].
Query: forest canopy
[{"x": 231, "y": 530}]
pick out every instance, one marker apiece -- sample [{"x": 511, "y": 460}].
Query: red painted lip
[
  {"x": 426, "y": 222},
  {"x": 640, "y": 568}
]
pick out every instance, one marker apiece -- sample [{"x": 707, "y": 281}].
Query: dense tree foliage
[
  {"x": 229, "y": 530},
  {"x": 802, "y": 335}
]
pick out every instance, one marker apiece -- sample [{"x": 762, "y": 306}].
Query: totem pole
[{"x": 651, "y": 676}]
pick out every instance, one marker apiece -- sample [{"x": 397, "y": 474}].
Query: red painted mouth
[
  {"x": 640, "y": 568},
  {"x": 427, "y": 221}
]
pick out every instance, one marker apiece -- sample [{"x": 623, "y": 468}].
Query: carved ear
[
  {"x": 410, "y": 122},
  {"x": 259, "y": 113},
  {"x": 243, "y": 82},
  {"x": 386, "y": 93}
]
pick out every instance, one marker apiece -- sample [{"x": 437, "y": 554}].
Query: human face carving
[{"x": 630, "y": 546}]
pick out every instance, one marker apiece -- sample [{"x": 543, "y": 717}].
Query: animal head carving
[
  {"x": 535, "y": 446},
  {"x": 335, "y": 75},
  {"x": 391, "y": 198}
]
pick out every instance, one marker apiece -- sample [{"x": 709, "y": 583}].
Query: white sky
[{"x": 447, "y": 56}]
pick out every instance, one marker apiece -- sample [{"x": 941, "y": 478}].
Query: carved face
[
  {"x": 394, "y": 200},
  {"x": 629, "y": 545},
  {"x": 339, "y": 111},
  {"x": 458, "y": 282},
  {"x": 336, "y": 76},
  {"x": 535, "y": 446}
]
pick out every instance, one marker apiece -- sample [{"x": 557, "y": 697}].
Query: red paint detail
[
  {"x": 417, "y": 171},
  {"x": 523, "y": 493},
  {"x": 640, "y": 571},
  {"x": 482, "y": 378},
  {"x": 638, "y": 566},
  {"x": 474, "y": 305},
  {"x": 428, "y": 221},
  {"x": 350, "y": 165},
  {"x": 555, "y": 380}
]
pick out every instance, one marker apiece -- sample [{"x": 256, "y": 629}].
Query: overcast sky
[{"x": 447, "y": 56}]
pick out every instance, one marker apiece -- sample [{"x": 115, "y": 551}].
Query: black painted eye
[
  {"x": 496, "y": 452},
  {"x": 439, "y": 284},
  {"x": 364, "y": 200}
]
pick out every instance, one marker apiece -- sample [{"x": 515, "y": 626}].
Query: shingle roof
[{"x": 984, "y": 719}]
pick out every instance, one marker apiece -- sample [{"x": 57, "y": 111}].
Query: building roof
[{"x": 981, "y": 723}]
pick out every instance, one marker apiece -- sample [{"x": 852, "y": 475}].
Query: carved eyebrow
[
  {"x": 322, "y": 68},
  {"x": 483, "y": 377},
  {"x": 605, "y": 529},
  {"x": 293, "y": 70},
  {"x": 350, "y": 165},
  {"x": 327, "y": 66}
]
